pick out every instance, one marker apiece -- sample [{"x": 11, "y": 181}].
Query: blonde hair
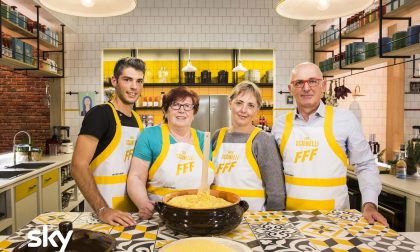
[{"x": 246, "y": 86}]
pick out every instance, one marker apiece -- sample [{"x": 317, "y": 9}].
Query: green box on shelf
[
  {"x": 5, "y": 9},
  {"x": 27, "y": 56},
  {"x": 17, "y": 48}
]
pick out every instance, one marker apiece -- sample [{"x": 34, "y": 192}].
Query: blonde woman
[{"x": 247, "y": 159}]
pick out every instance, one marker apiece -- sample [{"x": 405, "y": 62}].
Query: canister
[
  {"x": 386, "y": 45},
  {"x": 371, "y": 49},
  {"x": 359, "y": 51},
  {"x": 5, "y": 9},
  {"x": 413, "y": 34},
  {"x": 399, "y": 40}
]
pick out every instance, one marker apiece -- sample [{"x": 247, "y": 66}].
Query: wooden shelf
[
  {"x": 5, "y": 223},
  {"x": 372, "y": 27},
  {"x": 418, "y": 93},
  {"x": 405, "y": 51},
  {"x": 74, "y": 203},
  {"x": 262, "y": 84},
  {"x": 148, "y": 108},
  {"x": 67, "y": 185},
  {"x": 16, "y": 31},
  {"x": 266, "y": 108},
  {"x": 13, "y": 63}
]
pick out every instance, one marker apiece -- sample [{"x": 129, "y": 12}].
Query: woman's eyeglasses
[{"x": 177, "y": 106}]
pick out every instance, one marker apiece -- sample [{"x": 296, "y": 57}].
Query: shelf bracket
[{"x": 381, "y": 18}]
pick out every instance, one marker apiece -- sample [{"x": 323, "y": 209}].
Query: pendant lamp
[
  {"x": 320, "y": 9},
  {"x": 239, "y": 67},
  {"x": 189, "y": 67},
  {"x": 91, "y": 8}
]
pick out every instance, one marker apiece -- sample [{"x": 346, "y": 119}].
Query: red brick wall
[{"x": 22, "y": 108}]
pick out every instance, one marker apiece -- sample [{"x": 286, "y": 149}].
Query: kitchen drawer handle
[
  {"x": 386, "y": 210},
  {"x": 48, "y": 179},
  {"x": 31, "y": 187}
]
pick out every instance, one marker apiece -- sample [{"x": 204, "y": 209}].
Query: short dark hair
[
  {"x": 180, "y": 93},
  {"x": 133, "y": 62}
]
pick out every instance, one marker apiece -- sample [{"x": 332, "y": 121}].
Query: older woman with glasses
[
  {"x": 246, "y": 159},
  {"x": 167, "y": 157}
]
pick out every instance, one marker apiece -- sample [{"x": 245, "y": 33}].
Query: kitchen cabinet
[
  {"x": 70, "y": 196},
  {"x": 6, "y": 212},
  {"x": 26, "y": 202},
  {"x": 163, "y": 72},
  {"x": 23, "y": 48},
  {"x": 50, "y": 191}
]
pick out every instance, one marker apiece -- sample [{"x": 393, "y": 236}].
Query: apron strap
[
  {"x": 286, "y": 133},
  {"x": 163, "y": 151},
  {"x": 112, "y": 145},
  {"x": 329, "y": 115},
  {"x": 219, "y": 141},
  {"x": 248, "y": 150}
]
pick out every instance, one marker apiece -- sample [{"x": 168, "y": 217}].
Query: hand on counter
[
  {"x": 146, "y": 210},
  {"x": 371, "y": 214},
  {"x": 116, "y": 217}
]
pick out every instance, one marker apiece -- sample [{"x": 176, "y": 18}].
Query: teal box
[
  {"x": 22, "y": 21},
  {"x": 17, "y": 48},
  {"x": 27, "y": 56},
  {"x": 13, "y": 15},
  {"x": 5, "y": 10}
]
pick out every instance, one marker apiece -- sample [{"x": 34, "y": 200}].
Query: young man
[
  {"x": 314, "y": 141},
  {"x": 104, "y": 148}
]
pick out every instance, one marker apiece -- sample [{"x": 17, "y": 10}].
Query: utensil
[{"x": 204, "y": 187}]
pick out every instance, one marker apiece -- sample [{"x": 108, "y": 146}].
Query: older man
[{"x": 317, "y": 142}]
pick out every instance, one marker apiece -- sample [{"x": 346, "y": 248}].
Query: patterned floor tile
[
  {"x": 321, "y": 229},
  {"x": 398, "y": 243},
  {"x": 276, "y": 231},
  {"x": 287, "y": 245},
  {"x": 340, "y": 244},
  {"x": 311, "y": 216},
  {"x": 363, "y": 229},
  {"x": 54, "y": 218},
  {"x": 263, "y": 217}
]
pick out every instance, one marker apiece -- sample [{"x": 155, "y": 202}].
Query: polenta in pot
[{"x": 198, "y": 201}]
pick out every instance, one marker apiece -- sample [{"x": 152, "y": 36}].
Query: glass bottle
[
  {"x": 156, "y": 102},
  {"x": 401, "y": 166},
  {"x": 150, "y": 102},
  {"x": 144, "y": 102}
]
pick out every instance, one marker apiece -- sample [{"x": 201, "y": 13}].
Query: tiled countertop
[{"x": 261, "y": 231}]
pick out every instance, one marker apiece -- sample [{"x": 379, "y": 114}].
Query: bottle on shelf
[
  {"x": 150, "y": 102},
  {"x": 156, "y": 102},
  {"x": 401, "y": 166},
  {"x": 144, "y": 104}
]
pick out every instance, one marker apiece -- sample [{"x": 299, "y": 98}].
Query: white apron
[
  {"x": 237, "y": 170},
  {"x": 110, "y": 167},
  {"x": 177, "y": 167},
  {"x": 315, "y": 166}
]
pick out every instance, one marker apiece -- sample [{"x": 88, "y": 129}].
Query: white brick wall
[{"x": 250, "y": 24}]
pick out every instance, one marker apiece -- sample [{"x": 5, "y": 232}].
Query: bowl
[{"x": 211, "y": 221}]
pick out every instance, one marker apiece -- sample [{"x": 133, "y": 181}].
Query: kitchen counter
[
  {"x": 58, "y": 160},
  {"x": 408, "y": 186},
  {"x": 260, "y": 231}
]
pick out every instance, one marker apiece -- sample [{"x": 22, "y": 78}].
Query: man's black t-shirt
[{"x": 100, "y": 123}]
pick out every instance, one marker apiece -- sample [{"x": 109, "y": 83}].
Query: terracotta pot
[{"x": 212, "y": 221}]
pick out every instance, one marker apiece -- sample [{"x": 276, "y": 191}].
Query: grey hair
[{"x": 246, "y": 86}]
